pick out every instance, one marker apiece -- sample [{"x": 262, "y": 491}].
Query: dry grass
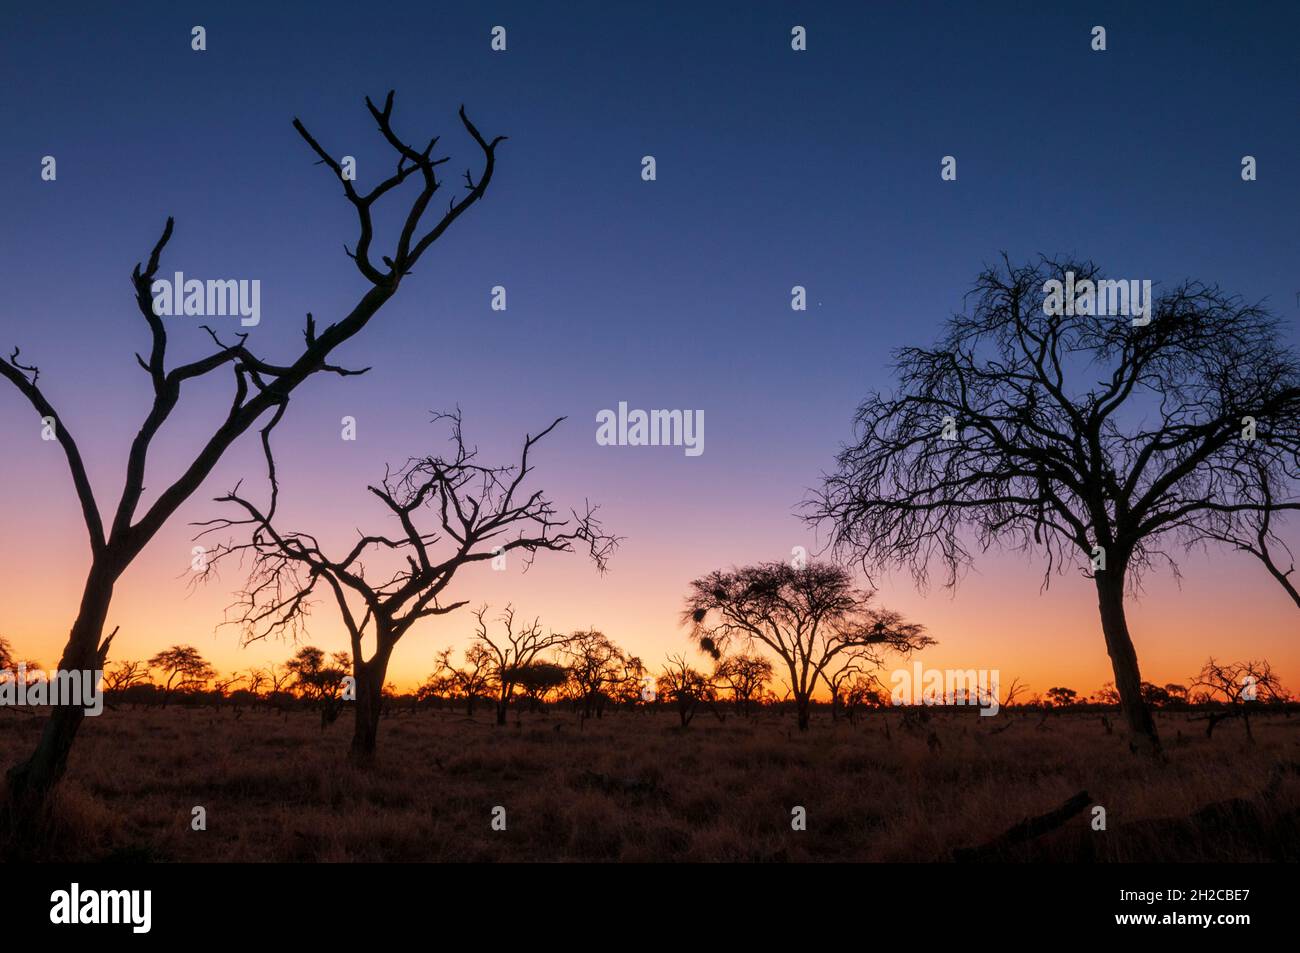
[{"x": 633, "y": 787}]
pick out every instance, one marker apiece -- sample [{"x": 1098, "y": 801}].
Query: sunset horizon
[{"x": 773, "y": 434}]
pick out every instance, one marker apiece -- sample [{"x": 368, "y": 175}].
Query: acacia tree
[
  {"x": 538, "y": 679},
  {"x": 470, "y": 681},
  {"x": 185, "y": 670},
  {"x": 630, "y": 684},
  {"x": 1091, "y": 439},
  {"x": 864, "y": 688},
  {"x": 595, "y": 664},
  {"x": 261, "y": 392},
  {"x": 812, "y": 618},
  {"x": 685, "y": 687},
  {"x": 1062, "y": 697},
  {"x": 745, "y": 676},
  {"x": 479, "y": 512},
  {"x": 1240, "y": 686},
  {"x": 320, "y": 680},
  {"x": 513, "y": 652}
]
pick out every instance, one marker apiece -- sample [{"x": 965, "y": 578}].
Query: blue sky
[{"x": 775, "y": 168}]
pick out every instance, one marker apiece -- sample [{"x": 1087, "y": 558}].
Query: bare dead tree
[
  {"x": 257, "y": 677},
  {"x": 1013, "y": 692},
  {"x": 513, "y": 651},
  {"x": 1240, "y": 687},
  {"x": 1088, "y": 439},
  {"x": 223, "y": 688},
  {"x": 812, "y": 619},
  {"x": 120, "y": 676},
  {"x": 279, "y": 678},
  {"x": 224, "y": 685},
  {"x": 261, "y": 393},
  {"x": 838, "y": 678},
  {"x": 480, "y": 512}
]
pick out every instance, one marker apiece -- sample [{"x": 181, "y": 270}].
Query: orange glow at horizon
[{"x": 996, "y": 619}]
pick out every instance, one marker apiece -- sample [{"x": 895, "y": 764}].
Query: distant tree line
[{"x": 517, "y": 667}]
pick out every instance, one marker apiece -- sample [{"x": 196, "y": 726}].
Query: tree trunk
[
  {"x": 803, "y": 707},
  {"x": 1124, "y": 663},
  {"x": 30, "y": 782},
  {"x": 370, "y": 696}
]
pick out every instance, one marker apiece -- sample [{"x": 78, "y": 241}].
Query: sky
[{"x": 775, "y": 168}]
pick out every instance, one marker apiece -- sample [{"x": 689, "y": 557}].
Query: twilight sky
[{"x": 775, "y": 168}]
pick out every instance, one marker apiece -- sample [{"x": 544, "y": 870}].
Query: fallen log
[{"x": 1025, "y": 831}]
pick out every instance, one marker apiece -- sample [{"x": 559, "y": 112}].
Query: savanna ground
[{"x": 632, "y": 786}]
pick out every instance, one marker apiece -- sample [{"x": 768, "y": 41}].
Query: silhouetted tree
[
  {"x": 184, "y": 668},
  {"x": 512, "y": 652},
  {"x": 1177, "y": 693},
  {"x": 481, "y": 512},
  {"x": 120, "y": 677},
  {"x": 1062, "y": 697},
  {"x": 684, "y": 687},
  {"x": 321, "y": 680},
  {"x": 838, "y": 678},
  {"x": 257, "y": 677},
  {"x": 538, "y": 679},
  {"x": 745, "y": 676},
  {"x": 864, "y": 689},
  {"x": 471, "y": 681},
  {"x": 595, "y": 663},
  {"x": 812, "y": 618},
  {"x": 1088, "y": 438},
  {"x": 261, "y": 392},
  {"x": 1153, "y": 696},
  {"x": 277, "y": 697},
  {"x": 629, "y": 684},
  {"x": 1241, "y": 686}
]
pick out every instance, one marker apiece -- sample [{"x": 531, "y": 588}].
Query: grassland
[{"x": 633, "y": 786}]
